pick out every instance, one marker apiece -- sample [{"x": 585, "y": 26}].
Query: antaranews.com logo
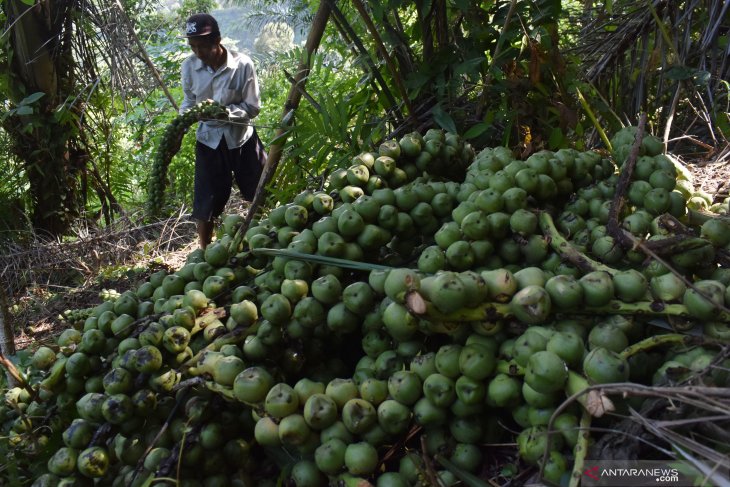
[{"x": 643, "y": 473}]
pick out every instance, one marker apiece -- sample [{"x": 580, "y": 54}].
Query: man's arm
[
  {"x": 250, "y": 104},
  {"x": 187, "y": 86}
]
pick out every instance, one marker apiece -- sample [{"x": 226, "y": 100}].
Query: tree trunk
[
  {"x": 40, "y": 61},
  {"x": 7, "y": 337}
]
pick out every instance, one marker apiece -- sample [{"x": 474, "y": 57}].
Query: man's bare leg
[{"x": 205, "y": 233}]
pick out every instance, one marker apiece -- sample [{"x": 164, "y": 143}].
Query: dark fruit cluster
[{"x": 170, "y": 144}]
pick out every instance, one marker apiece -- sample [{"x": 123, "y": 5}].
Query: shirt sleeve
[
  {"x": 187, "y": 86},
  {"x": 250, "y": 104}
]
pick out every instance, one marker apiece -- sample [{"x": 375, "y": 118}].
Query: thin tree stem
[{"x": 384, "y": 52}]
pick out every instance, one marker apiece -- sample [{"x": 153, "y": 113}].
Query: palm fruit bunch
[
  {"x": 169, "y": 145},
  {"x": 74, "y": 317},
  {"x": 109, "y": 294},
  {"x": 419, "y": 307}
]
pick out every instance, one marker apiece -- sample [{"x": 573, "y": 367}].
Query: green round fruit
[
  {"x": 447, "y": 360},
  {"x": 117, "y": 408},
  {"x": 327, "y": 289},
  {"x": 393, "y": 416},
  {"x": 426, "y": 413},
  {"x": 226, "y": 370},
  {"x": 657, "y": 201},
  {"x": 43, "y": 358},
  {"x": 63, "y": 462},
  {"x": 532, "y": 443},
  {"x": 147, "y": 359},
  {"x": 330, "y": 456},
  {"x": 598, "y": 288},
  {"x": 320, "y": 411},
  {"x": 704, "y": 300},
  {"x": 569, "y": 428},
  {"x": 546, "y": 372},
  {"x": 281, "y": 401},
  {"x": 630, "y": 285},
  {"x": 439, "y": 390},
  {"x": 467, "y": 456},
  {"x": 305, "y": 473},
  {"x": 266, "y": 432},
  {"x": 361, "y": 458},
  {"x": 476, "y": 362},
  {"x": 399, "y": 281},
  {"x": 358, "y": 415},
  {"x": 93, "y": 462},
  {"x": 602, "y": 366},
  {"x": 293, "y": 430},
  {"x": 568, "y": 346},
  {"x": 531, "y": 305},
  {"x": 78, "y": 434},
  {"x": 502, "y": 391},
  {"x": 555, "y": 467},
  {"x": 717, "y": 231},
  {"x": 341, "y": 391},
  {"x": 565, "y": 292},
  {"x": 607, "y": 335},
  {"x": 78, "y": 365},
  {"x": 527, "y": 344},
  {"x": 244, "y": 312}
]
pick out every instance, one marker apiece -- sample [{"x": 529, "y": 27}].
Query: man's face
[{"x": 206, "y": 48}]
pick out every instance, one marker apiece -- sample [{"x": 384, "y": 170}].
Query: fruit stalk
[
  {"x": 224, "y": 391},
  {"x": 657, "y": 341},
  {"x": 566, "y": 250},
  {"x": 15, "y": 374},
  {"x": 575, "y": 388},
  {"x": 646, "y": 308},
  {"x": 581, "y": 449},
  {"x": 485, "y": 312},
  {"x": 237, "y": 335},
  {"x": 497, "y": 311},
  {"x": 619, "y": 197}
]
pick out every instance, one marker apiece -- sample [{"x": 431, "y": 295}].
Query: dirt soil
[{"x": 711, "y": 176}]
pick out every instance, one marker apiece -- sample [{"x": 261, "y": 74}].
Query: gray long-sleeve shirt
[{"x": 233, "y": 85}]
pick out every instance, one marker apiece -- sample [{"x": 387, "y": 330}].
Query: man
[{"x": 229, "y": 145}]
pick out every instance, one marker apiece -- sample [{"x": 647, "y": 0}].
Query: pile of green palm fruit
[
  {"x": 429, "y": 302},
  {"x": 168, "y": 147}
]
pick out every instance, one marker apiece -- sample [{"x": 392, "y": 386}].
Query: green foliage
[
  {"x": 667, "y": 62},
  {"x": 325, "y": 134},
  {"x": 496, "y": 72}
]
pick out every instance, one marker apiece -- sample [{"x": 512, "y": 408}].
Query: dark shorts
[{"x": 215, "y": 170}]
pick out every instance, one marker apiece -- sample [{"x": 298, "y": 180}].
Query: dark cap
[{"x": 201, "y": 25}]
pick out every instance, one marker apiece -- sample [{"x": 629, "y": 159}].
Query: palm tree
[{"x": 60, "y": 55}]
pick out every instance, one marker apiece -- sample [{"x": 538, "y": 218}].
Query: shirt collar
[{"x": 230, "y": 62}]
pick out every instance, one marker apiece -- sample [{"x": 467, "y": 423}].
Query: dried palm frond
[
  {"x": 665, "y": 57},
  {"x": 112, "y": 53},
  {"x": 48, "y": 262},
  {"x": 688, "y": 421}
]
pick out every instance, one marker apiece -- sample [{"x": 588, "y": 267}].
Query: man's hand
[{"x": 218, "y": 112}]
